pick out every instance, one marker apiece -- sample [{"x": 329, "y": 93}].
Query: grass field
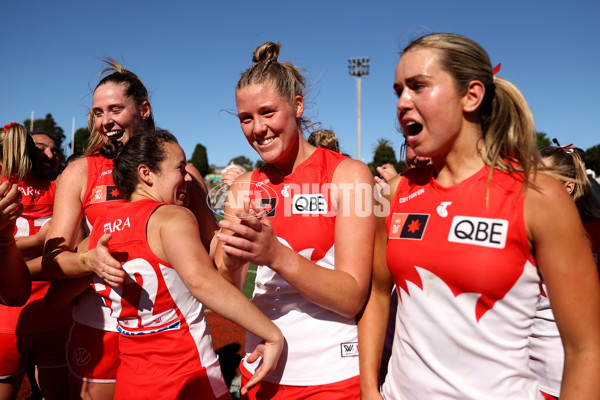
[{"x": 249, "y": 283}]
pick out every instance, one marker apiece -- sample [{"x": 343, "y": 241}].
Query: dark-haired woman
[
  {"x": 165, "y": 347},
  {"x": 309, "y": 229},
  {"x": 120, "y": 108}
]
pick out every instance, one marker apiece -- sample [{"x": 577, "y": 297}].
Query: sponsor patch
[
  {"x": 486, "y": 232},
  {"x": 408, "y": 226},
  {"x": 269, "y": 205},
  {"x": 100, "y": 194},
  {"x": 349, "y": 349},
  {"x": 309, "y": 204}
]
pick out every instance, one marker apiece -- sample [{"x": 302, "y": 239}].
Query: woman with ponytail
[
  {"x": 467, "y": 238},
  {"x": 120, "y": 109}
]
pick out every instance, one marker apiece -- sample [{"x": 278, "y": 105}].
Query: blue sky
[{"x": 190, "y": 55}]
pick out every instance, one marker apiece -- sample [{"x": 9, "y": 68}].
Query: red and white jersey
[
  {"x": 321, "y": 344},
  {"x": 37, "y": 197},
  {"x": 101, "y": 194},
  {"x": 467, "y": 288},
  {"x": 547, "y": 353},
  {"x": 153, "y": 301}
]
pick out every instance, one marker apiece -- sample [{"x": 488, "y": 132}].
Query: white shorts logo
[
  {"x": 486, "y": 232},
  {"x": 349, "y": 349},
  {"x": 309, "y": 204}
]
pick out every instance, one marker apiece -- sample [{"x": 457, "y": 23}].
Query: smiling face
[
  {"x": 117, "y": 116},
  {"x": 429, "y": 106},
  {"x": 169, "y": 184},
  {"x": 269, "y": 121}
]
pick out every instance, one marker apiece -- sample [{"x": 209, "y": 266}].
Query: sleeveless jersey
[
  {"x": 37, "y": 197},
  {"x": 467, "y": 288},
  {"x": 153, "y": 305},
  {"x": 321, "y": 344},
  {"x": 101, "y": 194},
  {"x": 547, "y": 353}
]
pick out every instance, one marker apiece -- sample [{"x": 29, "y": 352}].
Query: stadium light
[{"x": 358, "y": 67}]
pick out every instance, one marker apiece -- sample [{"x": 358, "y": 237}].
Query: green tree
[
  {"x": 242, "y": 161},
  {"x": 48, "y": 126},
  {"x": 592, "y": 158},
  {"x": 259, "y": 163},
  {"x": 81, "y": 139},
  {"x": 542, "y": 140},
  {"x": 200, "y": 160},
  {"x": 384, "y": 154}
]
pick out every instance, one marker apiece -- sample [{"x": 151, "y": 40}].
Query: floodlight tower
[{"x": 358, "y": 67}]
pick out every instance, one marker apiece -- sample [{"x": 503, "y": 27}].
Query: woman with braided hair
[{"x": 120, "y": 109}]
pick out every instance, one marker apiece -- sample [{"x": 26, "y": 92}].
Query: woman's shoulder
[
  {"x": 547, "y": 199},
  {"x": 352, "y": 171},
  {"x": 543, "y": 187},
  {"x": 173, "y": 213},
  {"x": 74, "y": 174}
]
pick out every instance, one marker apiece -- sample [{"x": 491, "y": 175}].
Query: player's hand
[
  {"x": 230, "y": 174},
  {"x": 10, "y": 208},
  {"x": 104, "y": 265},
  {"x": 270, "y": 352},
  {"x": 253, "y": 239}
]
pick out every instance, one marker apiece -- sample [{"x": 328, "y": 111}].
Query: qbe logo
[
  {"x": 309, "y": 204},
  {"x": 486, "y": 232},
  {"x": 349, "y": 349}
]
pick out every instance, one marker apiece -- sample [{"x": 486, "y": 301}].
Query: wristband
[{"x": 83, "y": 263}]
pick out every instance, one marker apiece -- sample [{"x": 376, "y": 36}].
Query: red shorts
[
  {"x": 93, "y": 354},
  {"x": 44, "y": 350},
  {"x": 343, "y": 390},
  {"x": 166, "y": 365}
]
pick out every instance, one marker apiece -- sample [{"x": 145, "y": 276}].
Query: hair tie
[
  {"x": 11, "y": 124},
  {"x": 496, "y": 69},
  {"x": 568, "y": 148}
]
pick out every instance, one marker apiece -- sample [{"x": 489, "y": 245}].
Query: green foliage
[
  {"x": 242, "y": 161},
  {"x": 200, "y": 160},
  {"x": 259, "y": 163},
  {"x": 48, "y": 126},
  {"x": 81, "y": 139},
  {"x": 384, "y": 154},
  {"x": 592, "y": 158},
  {"x": 542, "y": 140}
]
